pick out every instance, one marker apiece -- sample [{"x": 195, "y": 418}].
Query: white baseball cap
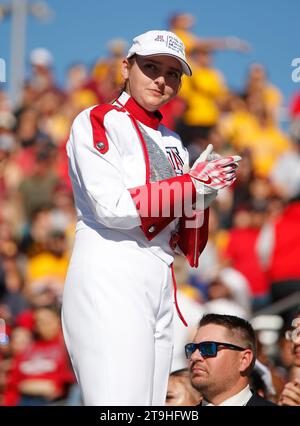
[
  {"x": 41, "y": 56},
  {"x": 158, "y": 42}
]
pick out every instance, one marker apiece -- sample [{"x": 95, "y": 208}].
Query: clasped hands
[{"x": 211, "y": 172}]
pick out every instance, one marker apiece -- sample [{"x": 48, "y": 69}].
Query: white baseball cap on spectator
[
  {"x": 42, "y": 57},
  {"x": 158, "y": 42}
]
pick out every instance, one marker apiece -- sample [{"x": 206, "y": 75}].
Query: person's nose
[
  {"x": 160, "y": 81},
  {"x": 197, "y": 356}
]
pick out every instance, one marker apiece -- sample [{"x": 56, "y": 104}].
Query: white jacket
[{"x": 106, "y": 159}]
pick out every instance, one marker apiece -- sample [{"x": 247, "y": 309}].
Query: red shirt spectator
[
  {"x": 42, "y": 360},
  {"x": 241, "y": 251},
  {"x": 284, "y": 262},
  {"x": 42, "y": 371}
]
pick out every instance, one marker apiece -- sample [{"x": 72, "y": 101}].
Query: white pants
[{"x": 118, "y": 320}]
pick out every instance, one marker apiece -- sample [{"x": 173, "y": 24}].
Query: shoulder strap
[{"x": 97, "y": 115}]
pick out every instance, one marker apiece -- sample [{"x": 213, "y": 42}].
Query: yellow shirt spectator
[
  {"x": 273, "y": 98},
  {"x": 239, "y": 127},
  {"x": 202, "y": 93},
  {"x": 47, "y": 269},
  {"x": 267, "y": 144}
]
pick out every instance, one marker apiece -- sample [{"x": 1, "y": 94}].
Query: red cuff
[{"x": 159, "y": 203}]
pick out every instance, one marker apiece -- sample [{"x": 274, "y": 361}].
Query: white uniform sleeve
[{"x": 98, "y": 178}]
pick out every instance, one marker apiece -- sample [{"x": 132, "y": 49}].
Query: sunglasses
[{"x": 209, "y": 349}]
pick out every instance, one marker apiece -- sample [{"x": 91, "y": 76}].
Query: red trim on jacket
[
  {"x": 192, "y": 240},
  {"x": 159, "y": 203},
  {"x": 99, "y": 136}
]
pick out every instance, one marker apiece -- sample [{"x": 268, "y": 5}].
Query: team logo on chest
[{"x": 175, "y": 159}]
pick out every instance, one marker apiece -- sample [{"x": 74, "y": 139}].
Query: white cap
[
  {"x": 158, "y": 42},
  {"x": 41, "y": 56}
]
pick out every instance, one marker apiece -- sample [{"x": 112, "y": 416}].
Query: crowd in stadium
[{"x": 250, "y": 267}]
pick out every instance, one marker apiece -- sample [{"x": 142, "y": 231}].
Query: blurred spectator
[
  {"x": 261, "y": 381},
  {"x": 238, "y": 122},
  {"x": 291, "y": 393},
  {"x": 242, "y": 254},
  {"x": 249, "y": 124},
  {"x": 7, "y": 146},
  {"x": 20, "y": 339},
  {"x": 48, "y": 269},
  {"x": 210, "y": 135},
  {"x": 286, "y": 172},
  {"x": 41, "y": 61},
  {"x": 229, "y": 293},
  {"x": 203, "y": 93},
  {"x": 295, "y": 106},
  {"x": 172, "y": 112},
  {"x": 35, "y": 232},
  {"x": 180, "y": 391},
  {"x": 77, "y": 76},
  {"x": 40, "y": 373},
  {"x": 37, "y": 190},
  {"x": 106, "y": 78},
  {"x": 267, "y": 142},
  {"x": 181, "y": 24},
  {"x": 279, "y": 251},
  {"x": 284, "y": 357},
  {"x": 257, "y": 83},
  {"x": 12, "y": 301},
  {"x": 267, "y": 328},
  {"x": 245, "y": 176},
  {"x": 293, "y": 335}
]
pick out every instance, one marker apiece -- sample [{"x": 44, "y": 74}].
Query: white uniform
[{"x": 117, "y": 302}]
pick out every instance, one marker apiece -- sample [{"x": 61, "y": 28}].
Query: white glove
[
  {"x": 205, "y": 200},
  {"x": 211, "y": 172},
  {"x": 207, "y": 155}
]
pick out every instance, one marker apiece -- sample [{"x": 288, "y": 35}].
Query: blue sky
[{"x": 80, "y": 31}]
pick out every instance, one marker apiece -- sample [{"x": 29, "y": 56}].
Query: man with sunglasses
[{"x": 221, "y": 359}]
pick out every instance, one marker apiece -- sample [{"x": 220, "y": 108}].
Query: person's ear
[
  {"x": 246, "y": 360},
  {"x": 125, "y": 69}
]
